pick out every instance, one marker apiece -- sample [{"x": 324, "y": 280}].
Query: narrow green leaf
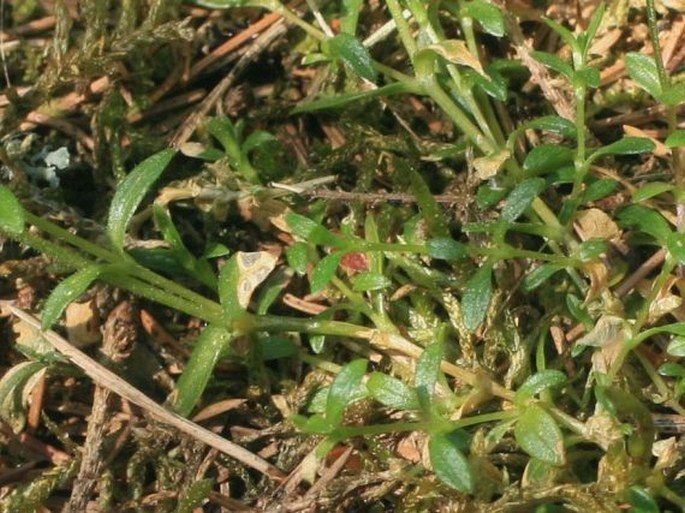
[
  {"x": 130, "y": 193},
  {"x": 599, "y": 189},
  {"x": 521, "y": 197},
  {"x": 341, "y": 100},
  {"x": 554, "y": 124},
  {"x": 16, "y": 385},
  {"x": 592, "y": 249},
  {"x": 352, "y": 52},
  {"x": 646, "y": 220},
  {"x": 391, "y": 392},
  {"x": 428, "y": 368},
  {"x": 487, "y": 15},
  {"x": 578, "y": 311},
  {"x": 67, "y": 291},
  {"x": 676, "y": 347},
  {"x": 675, "y": 244},
  {"x": 476, "y": 299},
  {"x": 589, "y": 76},
  {"x": 547, "y": 158},
  {"x": 446, "y": 248},
  {"x": 240, "y": 277},
  {"x": 592, "y": 27},
  {"x": 324, "y": 271},
  {"x": 539, "y": 435},
  {"x": 209, "y": 347},
  {"x": 198, "y": 269},
  {"x": 677, "y": 328},
  {"x": 676, "y": 139},
  {"x": 539, "y": 382},
  {"x": 449, "y": 462},
  {"x": 315, "y": 425},
  {"x": 565, "y": 33},
  {"x": 310, "y": 231},
  {"x": 11, "y": 212},
  {"x": 641, "y": 501},
  {"x": 673, "y": 95},
  {"x": 370, "y": 280},
  {"x": 195, "y": 495},
  {"x": 344, "y": 390},
  {"x": 625, "y": 146},
  {"x": 274, "y": 347},
  {"x": 554, "y": 63},
  {"x": 255, "y": 140},
  {"x": 298, "y": 257},
  {"x": 651, "y": 189},
  {"x": 540, "y": 275},
  {"x": 672, "y": 370},
  {"x": 642, "y": 69},
  {"x": 224, "y": 131},
  {"x": 431, "y": 212},
  {"x": 350, "y": 15}
]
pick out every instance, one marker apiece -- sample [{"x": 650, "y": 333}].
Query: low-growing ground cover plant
[{"x": 484, "y": 314}]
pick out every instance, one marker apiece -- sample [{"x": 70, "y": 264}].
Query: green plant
[{"x": 453, "y": 307}]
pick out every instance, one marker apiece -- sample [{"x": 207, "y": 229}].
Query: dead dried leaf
[
  {"x": 594, "y": 223},
  {"x": 489, "y": 166},
  {"x": 82, "y": 324}
]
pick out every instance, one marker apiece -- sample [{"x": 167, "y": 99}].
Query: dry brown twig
[{"x": 105, "y": 378}]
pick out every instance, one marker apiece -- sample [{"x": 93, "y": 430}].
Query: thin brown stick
[
  {"x": 375, "y": 197},
  {"x": 190, "y": 125},
  {"x": 107, "y": 379},
  {"x": 234, "y": 43}
]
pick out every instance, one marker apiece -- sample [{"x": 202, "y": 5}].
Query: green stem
[
  {"x": 439, "y": 96},
  {"x": 656, "y": 47},
  {"x": 403, "y": 28},
  {"x": 66, "y": 236}
]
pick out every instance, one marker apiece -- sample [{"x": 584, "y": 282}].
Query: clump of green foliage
[{"x": 462, "y": 311}]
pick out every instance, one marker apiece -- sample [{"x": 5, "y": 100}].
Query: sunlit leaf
[
  {"x": 350, "y": 10},
  {"x": 428, "y": 367},
  {"x": 540, "y": 275},
  {"x": 476, "y": 299},
  {"x": 344, "y": 390},
  {"x": 449, "y": 462},
  {"x": 488, "y": 15},
  {"x": 675, "y": 140},
  {"x": 208, "y": 348},
  {"x": 642, "y": 69},
  {"x": 16, "y": 385},
  {"x": 370, "y": 280},
  {"x": 676, "y": 347},
  {"x": 341, "y": 100},
  {"x": 391, "y": 392},
  {"x": 546, "y": 158},
  {"x": 554, "y": 63},
  {"x": 325, "y": 270},
  {"x": 539, "y": 382},
  {"x": 352, "y": 52},
  {"x": 68, "y": 290},
  {"x": 555, "y": 124},
  {"x": 298, "y": 257},
  {"x": 11, "y": 212},
  {"x": 539, "y": 435},
  {"x": 675, "y": 244},
  {"x": 131, "y": 191},
  {"x": 641, "y": 501},
  {"x": 445, "y": 248},
  {"x": 625, "y": 146},
  {"x": 646, "y": 220},
  {"x": 521, "y": 197}
]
